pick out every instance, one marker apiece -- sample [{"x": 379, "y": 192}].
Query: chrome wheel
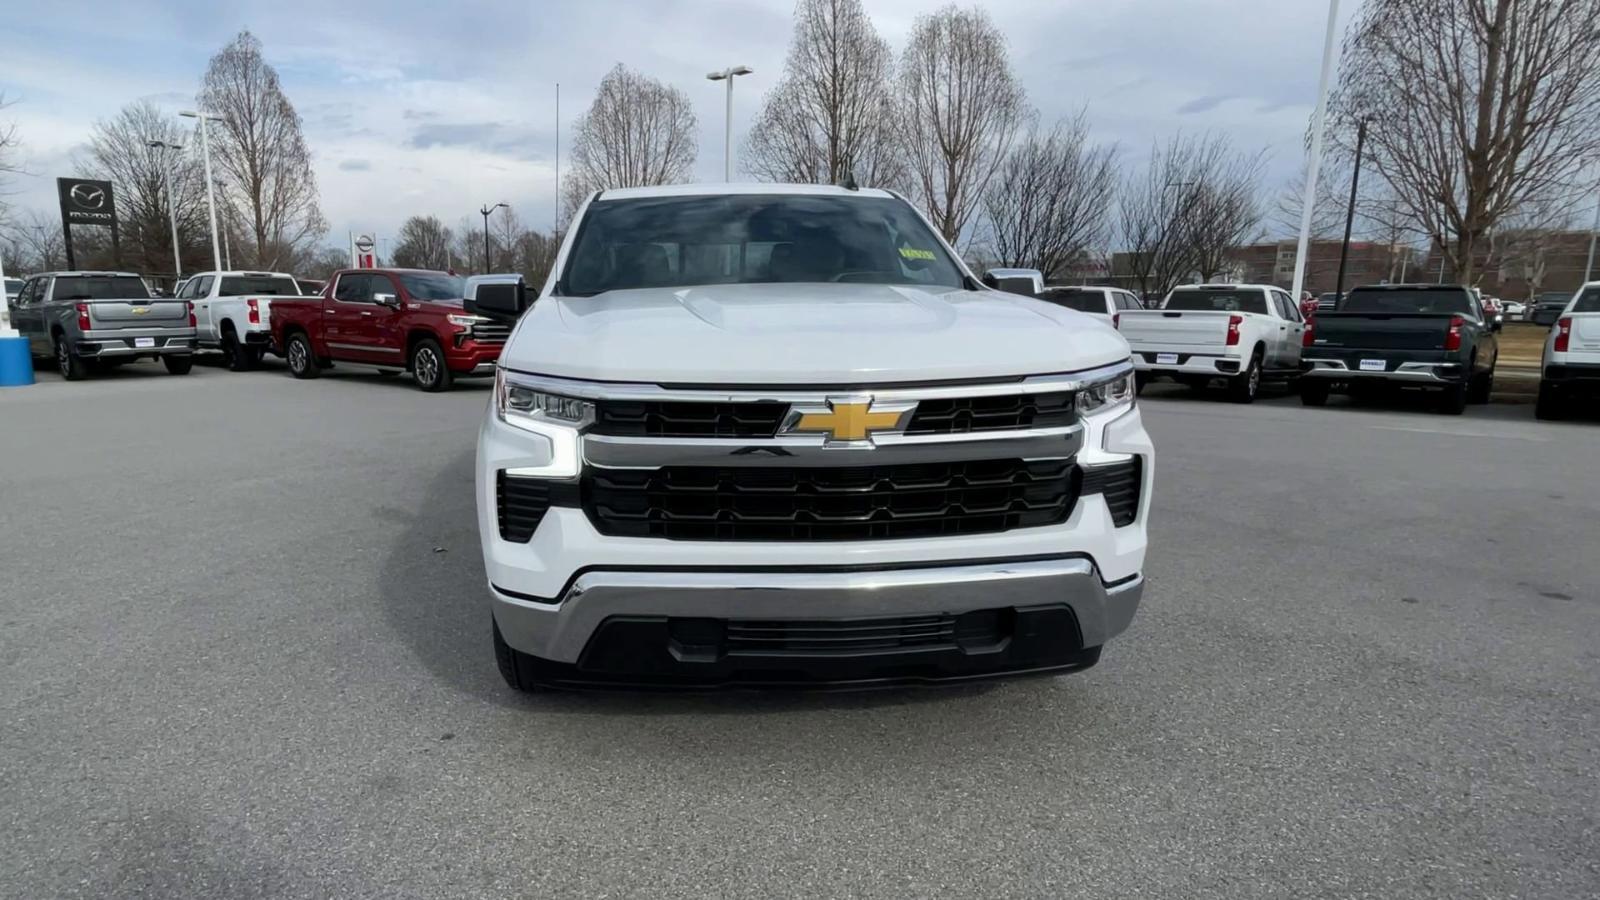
[
  {"x": 426, "y": 366},
  {"x": 297, "y": 356},
  {"x": 1255, "y": 379},
  {"x": 63, "y": 359}
]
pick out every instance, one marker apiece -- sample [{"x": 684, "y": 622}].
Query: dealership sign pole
[{"x": 1315, "y": 163}]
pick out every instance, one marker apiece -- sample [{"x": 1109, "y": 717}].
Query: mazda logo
[{"x": 88, "y": 196}]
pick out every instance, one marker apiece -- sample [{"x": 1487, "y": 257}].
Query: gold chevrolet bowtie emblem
[
  {"x": 851, "y": 420},
  {"x": 140, "y": 310}
]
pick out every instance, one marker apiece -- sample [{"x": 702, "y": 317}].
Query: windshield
[
  {"x": 1448, "y": 300},
  {"x": 100, "y": 287},
  {"x": 1588, "y": 301},
  {"x": 239, "y": 285},
  {"x": 433, "y": 286},
  {"x": 1082, "y": 301},
  {"x": 753, "y": 239},
  {"x": 1249, "y": 301}
]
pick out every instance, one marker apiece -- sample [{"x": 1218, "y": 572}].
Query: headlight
[
  {"x": 465, "y": 321},
  {"x": 1106, "y": 395},
  {"x": 553, "y": 417},
  {"x": 514, "y": 402}
]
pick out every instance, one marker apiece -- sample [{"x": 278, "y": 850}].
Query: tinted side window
[
  {"x": 203, "y": 288},
  {"x": 380, "y": 284},
  {"x": 1588, "y": 301},
  {"x": 351, "y": 288}
]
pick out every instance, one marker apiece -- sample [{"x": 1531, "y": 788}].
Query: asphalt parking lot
[{"x": 244, "y": 651}]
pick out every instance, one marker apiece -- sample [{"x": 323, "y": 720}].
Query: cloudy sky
[{"x": 420, "y": 106}]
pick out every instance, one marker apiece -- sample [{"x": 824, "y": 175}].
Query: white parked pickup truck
[
  {"x": 1241, "y": 332},
  {"x": 1571, "y": 368},
  {"x": 781, "y": 435},
  {"x": 233, "y": 312}
]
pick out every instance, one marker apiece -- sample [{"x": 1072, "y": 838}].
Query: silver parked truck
[{"x": 91, "y": 321}]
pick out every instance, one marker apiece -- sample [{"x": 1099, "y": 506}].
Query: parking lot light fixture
[
  {"x": 172, "y": 207},
  {"x": 211, "y": 200},
  {"x": 727, "y": 132},
  {"x": 486, "y": 211}
]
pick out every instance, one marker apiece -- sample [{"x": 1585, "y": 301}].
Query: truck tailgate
[
  {"x": 1382, "y": 331},
  {"x": 1192, "y": 330},
  {"x": 114, "y": 314}
]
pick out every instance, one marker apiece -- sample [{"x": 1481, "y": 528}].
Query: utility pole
[
  {"x": 1350, "y": 213},
  {"x": 727, "y": 130},
  {"x": 1314, "y": 165}
]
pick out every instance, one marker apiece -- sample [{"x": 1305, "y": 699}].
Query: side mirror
[
  {"x": 497, "y": 296},
  {"x": 388, "y": 300}
]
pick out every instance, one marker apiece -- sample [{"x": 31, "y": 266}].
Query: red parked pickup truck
[{"x": 394, "y": 319}]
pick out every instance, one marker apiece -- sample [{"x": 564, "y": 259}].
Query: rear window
[
  {"x": 1553, "y": 299},
  {"x": 1082, "y": 301},
  {"x": 13, "y": 285},
  {"x": 1588, "y": 301},
  {"x": 1407, "y": 301},
  {"x": 1218, "y": 301},
  {"x": 434, "y": 286},
  {"x": 100, "y": 287},
  {"x": 239, "y": 285}
]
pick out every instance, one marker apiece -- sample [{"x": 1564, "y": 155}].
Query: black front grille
[
  {"x": 521, "y": 503},
  {"x": 1016, "y": 412},
  {"x": 491, "y": 332},
  {"x": 838, "y": 636},
  {"x": 688, "y": 419},
  {"x": 1119, "y": 485},
  {"x": 806, "y": 504}
]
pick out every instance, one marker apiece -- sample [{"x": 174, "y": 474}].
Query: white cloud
[{"x": 418, "y": 107}]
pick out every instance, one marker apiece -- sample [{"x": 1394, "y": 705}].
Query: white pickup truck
[
  {"x": 233, "y": 312},
  {"x": 782, "y": 435},
  {"x": 1570, "y": 371},
  {"x": 1241, "y": 332}
]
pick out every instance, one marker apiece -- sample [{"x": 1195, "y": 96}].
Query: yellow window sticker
[{"x": 914, "y": 253}]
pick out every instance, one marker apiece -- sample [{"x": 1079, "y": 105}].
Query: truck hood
[{"x": 812, "y": 334}]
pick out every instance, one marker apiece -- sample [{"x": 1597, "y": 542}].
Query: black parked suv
[
  {"x": 1546, "y": 308},
  {"x": 1432, "y": 336}
]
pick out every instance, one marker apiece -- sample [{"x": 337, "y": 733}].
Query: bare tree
[
  {"x": 1221, "y": 207},
  {"x": 1327, "y": 209},
  {"x": 1047, "y": 206},
  {"x": 36, "y": 243},
  {"x": 424, "y": 242},
  {"x": 962, "y": 108},
  {"x": 832, "y": 113},
  {"x": 1474, "y": 108},
  {"x": 260, "y": 154},
  {"x": 119, "y": 151},
  {"x": 637, "y": 132}
]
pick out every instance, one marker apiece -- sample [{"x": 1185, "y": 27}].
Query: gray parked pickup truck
[
  {"x": 1406, "y": 335},
  {"x": 89, "y": 321}
]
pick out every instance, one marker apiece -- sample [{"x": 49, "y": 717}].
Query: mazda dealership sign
[{"x": 85, "y": 202}]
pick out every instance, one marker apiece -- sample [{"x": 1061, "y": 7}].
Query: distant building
[
  {"x": 1518, "y": 264},
  {"x": 1368, "y": 262}
]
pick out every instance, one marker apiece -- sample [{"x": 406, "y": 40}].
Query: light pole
[
  {"x": 1588, "y": 267},
  {"x": 172, "y": 208},
  {"x": 485, "y": 211},
  {"x": 1314, "y": 164},
  {"x": 727, "y": 134},
  {"x": 1350, "y": 212},
  {"x": 211, "y": 200}
]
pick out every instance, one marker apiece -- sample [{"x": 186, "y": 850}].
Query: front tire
[
  {"x": 68, "y": 362},
  {"x": 516, "y": 667},
  {"x": 302, "y": 361},
  {"x": 1140, "y": 379},
  {"x": 429, "y": 368},
  {"x": 1244, "y": 387},
  {"x": 178, "y": 365}
]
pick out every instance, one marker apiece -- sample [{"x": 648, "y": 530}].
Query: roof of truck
[
  {"x": 701, "y": 190},
  {"x": 80, "y": 273}
]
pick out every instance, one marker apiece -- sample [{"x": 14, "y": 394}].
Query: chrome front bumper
[{"x": 559, "y": 631}]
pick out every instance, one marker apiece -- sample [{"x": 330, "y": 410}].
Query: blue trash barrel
[{"x": 16, "y": 364}]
